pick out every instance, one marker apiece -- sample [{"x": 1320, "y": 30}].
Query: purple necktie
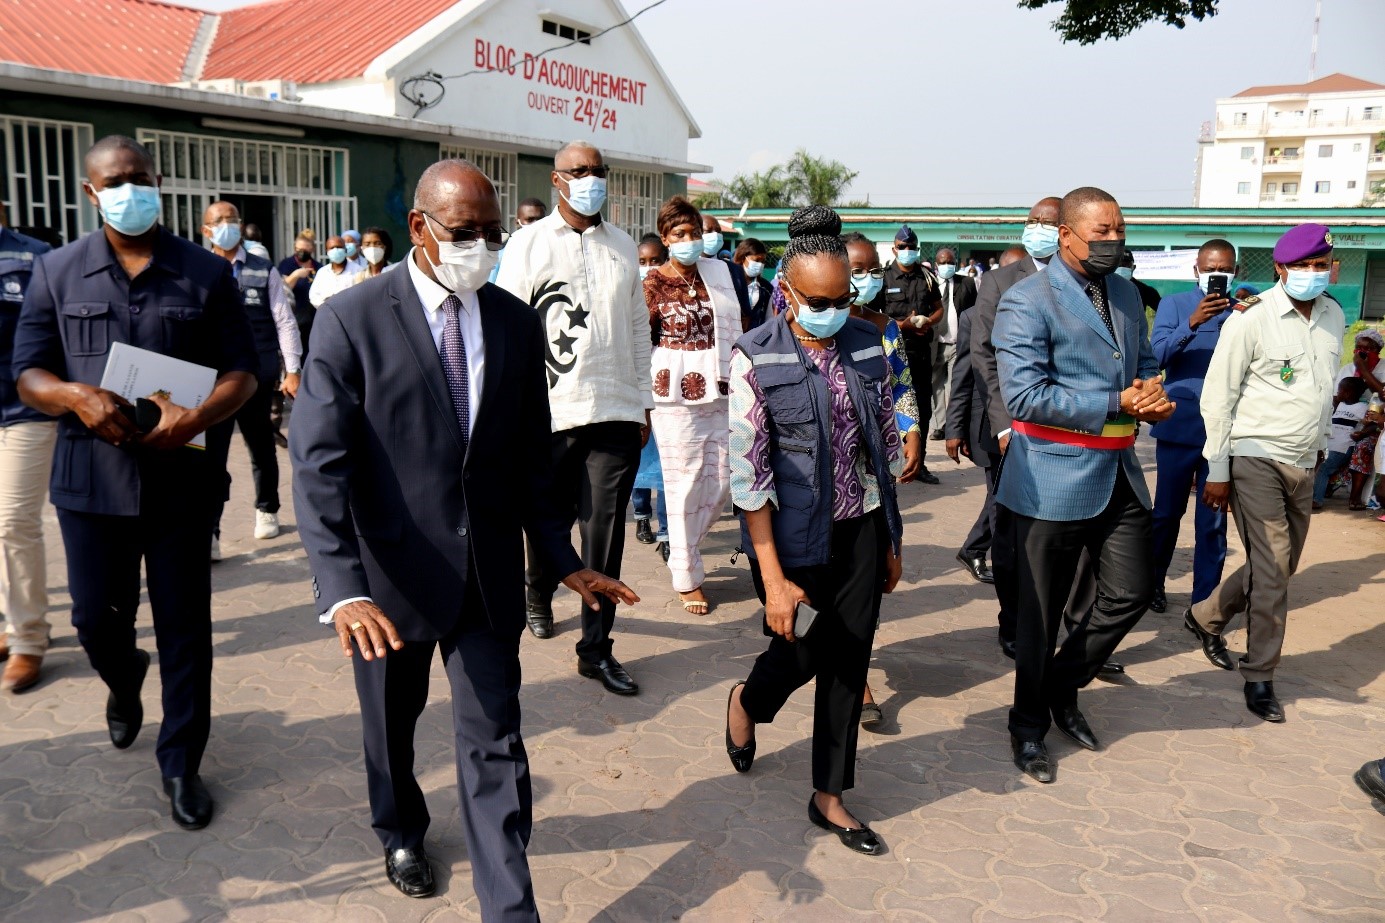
[{"x": 454, "y": 365}]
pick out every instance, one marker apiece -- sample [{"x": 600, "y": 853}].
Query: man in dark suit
[
  {"x": 968, "y": 432},
  {"x": 421, "y": 421},
  {"x": 125, "y": 498},
  {"x": 1040, "y": 241},
  {"x": 1077, "y": 373},
  {"x": 957, "y": 293}
]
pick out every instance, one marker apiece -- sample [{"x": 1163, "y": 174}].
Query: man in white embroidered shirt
[
  {"x": 1267, "y": 404},
  {"x": 582, "y": 276}
]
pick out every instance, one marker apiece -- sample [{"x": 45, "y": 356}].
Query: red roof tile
[
  {"x": 1332, "y": 83},
  {"x": 130, "y": 39},
  {"x": 308, "y": 42}
]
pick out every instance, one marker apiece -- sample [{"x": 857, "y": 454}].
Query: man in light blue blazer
[{"x": 1077, "y": 373}]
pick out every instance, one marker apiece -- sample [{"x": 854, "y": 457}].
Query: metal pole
[{"x": 1313, "y": 55}]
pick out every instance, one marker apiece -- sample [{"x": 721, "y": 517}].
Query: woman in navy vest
[{"x": 814, "y": 453}]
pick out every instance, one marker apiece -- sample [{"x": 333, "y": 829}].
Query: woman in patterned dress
[{"x": 695, "y": 318}]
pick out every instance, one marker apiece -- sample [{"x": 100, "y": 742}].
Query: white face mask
[
  {"x": 753, "y": 268},
  {"x": 373, "y": 254},
  {"x": 461, "y": 269},
  {"x": 1204, "y": 279}
]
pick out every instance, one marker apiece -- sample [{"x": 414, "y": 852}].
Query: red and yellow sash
[{"x": 1118, "y": 434}]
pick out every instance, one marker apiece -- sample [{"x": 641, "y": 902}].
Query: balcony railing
[{"x": 1292, "y": 123}]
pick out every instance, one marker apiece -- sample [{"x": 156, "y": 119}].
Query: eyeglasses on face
[
  {"x": 465, "y": 238},
  {"x": 1035, "y": 222},
  {"x": 818, "y": 305},
  {"x": 860, "y": 275},
  {"x": 599, "y": 171}
]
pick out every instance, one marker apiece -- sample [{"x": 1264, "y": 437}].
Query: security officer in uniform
[
  {"x": 275, "y": 332},
  {"x": 129, "y": 493},
  {"x": 26, "y": 453},
  {"x": 910, "y": 297}
]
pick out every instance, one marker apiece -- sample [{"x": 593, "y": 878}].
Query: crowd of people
[{"x": 456, "y": 413}]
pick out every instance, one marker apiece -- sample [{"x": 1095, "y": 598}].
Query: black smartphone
[
  {"x": 145, "y": 414},
  {"x": 1217, "y": 286},
  {"x": 804, "y": 617}
]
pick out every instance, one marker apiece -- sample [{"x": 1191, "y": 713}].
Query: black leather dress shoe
[
  {"x": 860, "y": 839},
  {"x": 927, "y": 477},
  {"x": 409, "y": 871},
  {"x": 192, "y": 803},
  {"x": 643, "y": 533},
  {"x": 540, "y": 624},
  {"x": 125, "y": 712},
  {"x": 977, "y": 568},
  {"x": 1214, "y": 646},
  {"x": 741, "y": 757},
  {"x": 1159, "y": 602},
  {"x": 1371, "y": 780},
  {"x": 663, "y": 550},
  {"x": 1261, "y": 702},
  {"x": 1111, "y": 668},
  {"x": 1073, "y": 724},
  {"x": 611, "y": 674},
  {"x": 1007, "y": 648},
  {"x": 1031, "y": 756}
]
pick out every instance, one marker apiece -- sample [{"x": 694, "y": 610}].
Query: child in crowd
[
  {"x": 649, "y": 479},
  {"x": 1348, "y": 412},
  {"x": 1362, "y": 462}
]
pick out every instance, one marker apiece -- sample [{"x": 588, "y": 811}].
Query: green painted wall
[{"x": 535, "y": 178}]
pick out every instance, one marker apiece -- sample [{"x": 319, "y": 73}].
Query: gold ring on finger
[{"x": 355, "y": 626}]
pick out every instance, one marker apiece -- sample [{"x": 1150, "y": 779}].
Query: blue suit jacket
[
  {"x": 388, "y": 505},
  {"x": 1184, "y": 354},
  {"x": 1059, "y": 366}
]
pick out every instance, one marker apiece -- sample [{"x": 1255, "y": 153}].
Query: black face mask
[
  {"x": 303, "y": 256},
  {"x": 1103, "y": 256}
]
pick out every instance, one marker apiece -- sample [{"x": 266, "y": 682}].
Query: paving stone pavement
[{"x": 1192, "y": 810}]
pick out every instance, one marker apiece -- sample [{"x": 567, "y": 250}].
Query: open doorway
[{"x": 262, "y": 211}]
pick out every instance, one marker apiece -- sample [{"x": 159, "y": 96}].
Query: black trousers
[
  {"x": 919, "y": 353},
  {"x": 593, "y": 472},
  {"x": 846, "y": 592},
  {"x": 103, "y": 570},
  {"x": 1118, "y": 541},
  {"x": 257, "y": 429},
  {"x": 982, "y": 535},
  {"x": 493, "y": 785}
]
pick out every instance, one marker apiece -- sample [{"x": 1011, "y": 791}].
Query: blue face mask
[
  {"x": 646, "y": 270},
  {"x": 907, "y": 257},
  {"x": 820, "y": 324},
  {"x": 686, "y": 252},
  {"x": 1040, "y": 241},
  {"x": 1305, "y": 285},
  {"x": 350, "y": 250},
  {"x": 586, "y": 195},
  {"x": 130, "y": 209},
  {"x": 337, "y": 255},
  {"x": 1125, "y": 272},
  {"x": 226, "y": 236},
  {"x": 947, "y": 271},
  {"x": 867, "y": 290},
  {"x": 711, "y": 243}
]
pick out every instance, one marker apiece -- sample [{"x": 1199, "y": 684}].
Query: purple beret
[
  {"x": 1302, "y": 242},
  {"x": 906, "y": 235}
]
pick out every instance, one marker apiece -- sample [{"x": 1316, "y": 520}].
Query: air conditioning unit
[
  {"x": 286, "y": 90},
  {"x": 224, "y": 85}
]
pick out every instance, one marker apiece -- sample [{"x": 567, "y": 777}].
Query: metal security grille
[
  {"x": 310, "y": 185},
  {"x": 633, "y": 198},
  {"x": 41, "y": 175},
  {"x": 1257, "y": 266},
  {"x": 500, "y": 167}
]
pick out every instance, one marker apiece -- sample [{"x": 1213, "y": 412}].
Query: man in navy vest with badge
[
  {"x": 26, "y": 452},
  {"x": 275, "y": 331},
  {"x": 128, "y": 489}
]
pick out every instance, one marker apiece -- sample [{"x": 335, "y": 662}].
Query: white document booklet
[{"x": 134, "y": 373}]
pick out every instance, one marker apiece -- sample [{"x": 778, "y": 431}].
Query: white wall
[{"x": 641, "y": 118}]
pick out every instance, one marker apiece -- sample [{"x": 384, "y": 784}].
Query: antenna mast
[{"x": 1313, "y": 55}]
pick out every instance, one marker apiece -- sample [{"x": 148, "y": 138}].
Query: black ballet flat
[
  {"x": 741, "y": 757},
  {"x": 860, "y": 839}
]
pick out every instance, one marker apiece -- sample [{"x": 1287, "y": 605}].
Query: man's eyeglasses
[
  {"x": 228, "y": 221},
  {"x": 1035, "y": 222},
  {"x": 465, "y": 238},
  {"x": 599, "y": 171},
  {"x": 860, "y": 275}
]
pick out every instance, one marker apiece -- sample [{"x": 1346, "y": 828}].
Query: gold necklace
[{"x": 692, "y": 289}]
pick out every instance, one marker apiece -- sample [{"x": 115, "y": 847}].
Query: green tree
[
  {"x": 1089, "y": 21},
  {"x": 817, "y": 180},
  {"x": 768, "y": 188}
]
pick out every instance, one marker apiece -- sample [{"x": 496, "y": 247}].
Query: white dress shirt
[
  {"x": 327, "y": 282},
  {"x": 1249, "y": 409},
  {"x": 290, "y": 343},
  {"x": 948, "y": 332},
  {"x": 432, "y": 295}
]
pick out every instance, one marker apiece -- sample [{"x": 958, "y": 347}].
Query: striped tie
[{"x": 454, "y": 365}]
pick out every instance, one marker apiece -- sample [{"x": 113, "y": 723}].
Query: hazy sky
[{"x": 978, "y": 102}]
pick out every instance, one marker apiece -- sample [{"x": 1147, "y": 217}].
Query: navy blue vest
[
  {"x": 798, "y": 413},
  {"x": 254, "y": 295},
  {"x": 17, "y": 253}
]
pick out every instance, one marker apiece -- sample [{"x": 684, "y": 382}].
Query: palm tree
[
  {"x": 762, "y": 189},
  {"x": 817, "y": 180}
]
